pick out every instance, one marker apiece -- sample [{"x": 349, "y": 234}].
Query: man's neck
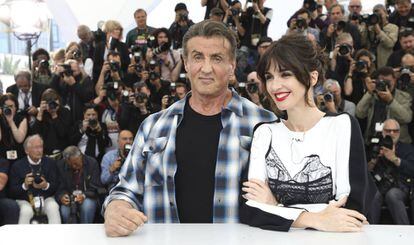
[
  {"x": 142, "y": 27},
  {"x": 209, "y": 106}
]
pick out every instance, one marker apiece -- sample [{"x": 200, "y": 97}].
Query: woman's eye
[
  {"x": 286, "y": 74},
  {"x": 268, "y": 77}
]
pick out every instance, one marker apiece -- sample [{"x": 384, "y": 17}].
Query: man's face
[
  {"x": 389, "y": 78},
  {"x": 162, "y": 38},
  {"x": 304, "y": 16},
  {"x": 141, "y": 19},
  {"x": 209, "y": 65},
  {"x": 23, "y": 84},
  {"x": 35, "y": 149},
  {"x": 392, "y": 129},
  {"x": 125, "y": 137},
  {"x": 403, "y": 8},
  {"x": 75, "y": 163},
  {"x": 407, "y": 43},
  {"x": 180, "y": 92},
  {"x": 355, "y": 6},
  {"x": 336, "y": 15},
  {"x": 90, "y": 114}
]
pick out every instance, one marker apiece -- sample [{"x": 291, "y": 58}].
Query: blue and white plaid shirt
[{"x": 147, "y": 176}]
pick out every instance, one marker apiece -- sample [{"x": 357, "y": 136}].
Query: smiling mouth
[{"x": 281, "y": 96}]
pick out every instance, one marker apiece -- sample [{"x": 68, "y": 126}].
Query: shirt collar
[
  {"x": 30, "y": 91},
  {"x": 235, "y": 104},
  {"x": 33, "y": 162}
]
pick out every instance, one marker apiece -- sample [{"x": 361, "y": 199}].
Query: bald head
[
  {"x": 391, "y": 128},
  {"x": 355, "y": 6},
  {"x": 407, "y": 60}
]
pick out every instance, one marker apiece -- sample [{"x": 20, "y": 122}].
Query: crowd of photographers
[{"x": 66, "y": 126}]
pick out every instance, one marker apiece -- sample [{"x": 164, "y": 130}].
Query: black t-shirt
[
  {"x": 196, "y": 151},
  {"x": 4, "y": 168},
  {"x": 7, "y": 141}
]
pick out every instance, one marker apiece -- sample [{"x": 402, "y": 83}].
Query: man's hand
[
  {"x": 41, "y": 185},
  {"x": 385, "y": 96},
  {"x": 65, "y": 200},
  {"x": 32, "y": 111},
  {"x": 390, "y": 155},
  {"x": 370, "y": 85},
  {"x": 121, "y": 219},
  {"x": 28, "y": 180},
  {"x": 115, "y": 166},
  {"x": 80, "y": 198}
]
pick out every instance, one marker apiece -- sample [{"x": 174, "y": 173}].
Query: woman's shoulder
[
  {"x": 341, "y": 121},
  {"x": 267, "y": 127}
]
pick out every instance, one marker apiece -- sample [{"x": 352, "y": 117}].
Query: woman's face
[
  {"x": 90, "y": 114},
  {"x": 116, "y": 33},
  {"x": 284, "y": 88},
  {"x": 10, "y": 104},
  {"x": 366, "y": 59}
]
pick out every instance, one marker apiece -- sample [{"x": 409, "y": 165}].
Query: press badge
[{"x": 11, "y": 155}]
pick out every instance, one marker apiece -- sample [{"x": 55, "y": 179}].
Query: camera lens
[
  {"x": 92, "y": 122},
  {"x": 344, "y": 49},
  {"x": 7, "y": 111}
]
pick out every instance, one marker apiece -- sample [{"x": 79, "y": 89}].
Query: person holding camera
[
  {"x": 169, "y": 60},
  {"x": 9, "y": 210},
  {"x": 74, "y": 87},
  {"x": 393, "y": 169},
  {"x": 111, "y": 74},
  {"x": 341, "y": 58},
  {"x": 113, "y": 31},
  {"x": 403, "y": 15},
  {"x": 158, "y": 86},
  {"x": 13, "y": 128},
  {"x": 381, "y": 35},
  {"x": 74, "y": 52},
  {"x": 41, "y": 67},
  {"x": 180, "y": 25},
  {"x": 331, "y": 100},
  {"x": 52, "y": 123},
  {"x": 211, "y": 4},
  {"x": 360, "y": 69},
  {"x": 33, "y": 183},
  {"x": 139, "y": 35},
  {"x": 406, "y": 41},
  {"x": 382, "y": 101},
  {"x": 337, "y": 26},
  {"x": 113, "y": 160},
  {"x": 89, "y": 134},
  {"x": 300, "y": 23},
  {"x": 232, "y": 17},
  {"x": 77, "y": 193}
]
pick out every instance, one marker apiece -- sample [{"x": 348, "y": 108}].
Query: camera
[
  {"x": 92, "y": 123},
  {"x": 76, "y": 54},
  {"x": 360, "y": 65},
  {"x": 344, "y": 49},
  {"x": 73, "y": 207},
  {"x": 183, "y": 17},
  {"x": 67, "y": 70},
  {"x": 162, "y": 48},
  {"x": 404, "y": 79},
  {"x": 114, "y": 66},
  {"x": 382, "y": 85},
  {"x": 137, "y": 53},
  {"x": 140, "y": 97},
  {"x": 37, "y": 175},
  {"x": 301, "y": 23},
  {"x": 44, "y": 64},
  {"x": 127, "y": 149},
  {"x": 355, "y": 16},
  {"x": 52, "y": 104},
  {"x": 182, "y": 78},
  {"x": 7, "y": 111},
  {"x": 153, "y": 75},
  {"x": 234, "y": 11},
  {"x": 252, "y": 87},
  {"x": 371, "y": 19},
  {"x": 151, "y": 42},
  {"x": 328, "y": 97}
]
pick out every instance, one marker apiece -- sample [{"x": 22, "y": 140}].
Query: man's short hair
[
  {"x": 344, "y": 36},
  {"x": 71, "y": 151},
  {"x": 303, "y": 11},
  {"x": 216, "y": 11},
  {"x": 208, "y": 29},
  {"x": 23, "y": 73},
  {"x": 264, "y": 40},
  {"x": 335, "y": 5},
  {"x": 406, "y": 33},
  {"x": 401, "y": 1},
  {"x": 385, "y": 71},
  {"x": 38, "y": 52},
  {"x": 29, "y": 139},
  {"x": 139, "y": 11},
  {"x": 112, "y": 53}
]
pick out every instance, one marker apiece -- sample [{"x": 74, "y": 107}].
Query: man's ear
[
  {"x": 314, "y": 78},
  {"x": 185, "y": 64}
]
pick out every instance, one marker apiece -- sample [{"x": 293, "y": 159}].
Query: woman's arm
[{"x": 19, "y": 133}]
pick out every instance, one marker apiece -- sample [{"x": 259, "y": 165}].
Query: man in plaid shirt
[{"x": 186, "y": 161}]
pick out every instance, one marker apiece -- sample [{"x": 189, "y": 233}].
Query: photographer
[
  {"x": 138, "y": 108},
  {"x": 33, "y": 183},
  {"x": 139, "y": 35},
  {"x": 171, "y": 98},
  {"x": 403, "y": 15},
  {"x": 255, "y": 22},
  {"x": 341, "y": 58},
  {"x": 180, "y": 25},
  {"x": 111, "y": 72},
  {"x": 331, "y": 100},
  {"x": 159, "y": 87},
  {"x": 73, "y": 86},
  {"x": 382, "y": 35},
  {"x": 382, "y": 101},
  {"x": 41, "y": 67},
  {"x": 27, "y": 92},
  {"x": 52, "y": 123},
  {"x": 114, "y": 159},
  {"x": 74, "y": 52},
  {"x": 78, "y": 189},
  {"x": 300, "y": 23},
  {"x": 232, "y": 17},
  {"x": 393, "y": 170},
  {"x": 89, "y": 134},
  {"x": 338, "y": 25},
  {"x": 169, "y": 60},
  {"x": 360, "y": 69},
  {"x": 211, "y": 4},
  {"x": 9, "y": 210},
  {"x": 113, "y": 31},
  {"x": 406, "y": 40},
  {"x": 13, "y": 128},
  {"x": 406, "y": 74}
]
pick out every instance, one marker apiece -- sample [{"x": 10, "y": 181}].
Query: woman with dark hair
[
  {"x": 13, "y": 128},
  {"x": 90, "y": 135},
  {"x": 52, "y": 123},
  {"x": 308, "y": 170}
]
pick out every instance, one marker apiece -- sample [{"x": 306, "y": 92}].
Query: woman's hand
[{"x": 258, "y": 191}]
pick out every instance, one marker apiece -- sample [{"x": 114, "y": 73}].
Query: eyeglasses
[
  {"x": 355, "y": 6},
  {"x": 394, "y": 131}
]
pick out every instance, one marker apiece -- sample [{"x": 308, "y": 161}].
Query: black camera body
[
  {"x": 379, "y": 141},
  {"x": 76, "y": 54},
  {"x": 7, "y": 111},
  {"x": 328, "y": 97},
  {"x": 252, "y": 87},
  {"x": 301, "y": 23},
  {"x": 234, "y": 11},
  {"x": 44, "y": 64},
  {"x": 344, "y": 49},
  {"x": 161, "y": 49},
  {"x": 371, "y": 19},
  {"x": 52, "y": 104},
  {"x": 37, "y": 175},
  {"x": 67, "y": 70},
  {"x": 114, "y": 66},
  {"x": 140, "y": 97},
  {"x": 183, "y": 17},
  {"x": 92, "y": 123},
  {"x": 382, "y": 85},
  {"x": 360, "y": 65},
  {"x": 404, "y": 79},
  {"x": 340, "y": 26}
]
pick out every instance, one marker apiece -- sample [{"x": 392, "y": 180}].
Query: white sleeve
[
  {"x": 88, "y": 67},
  {"x": 269, "y": 14},
  {"x": 343, "y": 146},
  {"x": 258, "y": 150}
]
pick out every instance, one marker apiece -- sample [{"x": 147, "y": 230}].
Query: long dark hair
[{"x": 6, "y": 133}]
